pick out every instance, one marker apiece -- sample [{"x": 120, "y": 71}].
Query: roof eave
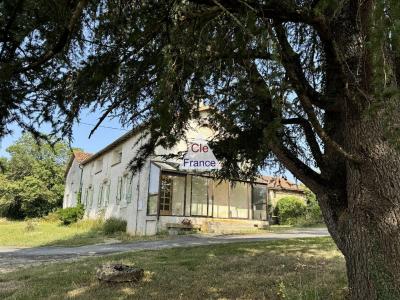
[{"x": 114, "y": 144}]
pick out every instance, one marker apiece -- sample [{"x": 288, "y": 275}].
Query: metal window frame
[{"x": 209, "y": 177}]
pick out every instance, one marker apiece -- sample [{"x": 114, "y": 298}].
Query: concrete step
[{"x": 233, "y": 226}]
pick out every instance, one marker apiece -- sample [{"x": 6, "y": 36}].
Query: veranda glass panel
[
  {"x": 199, "y": 196},
  {"x": 221, "y": 199},
  {"x": 154, "y": 184},
  {"x": 239, "y": 202},
  {"x": 172, "y": 195},
  {"x": 188, "y": 194},
  {"x": 259, "y": 202},
  {"x": 178, "y": 195}
]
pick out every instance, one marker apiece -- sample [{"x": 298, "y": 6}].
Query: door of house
[
  {"x": 166, "y": 190},
  {"x": 259, "y": 202}
]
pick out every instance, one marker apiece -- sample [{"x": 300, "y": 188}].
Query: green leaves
[{"x": 33, "y": 181}]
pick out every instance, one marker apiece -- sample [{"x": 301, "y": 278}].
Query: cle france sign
[{"x": 199, "y": 157}]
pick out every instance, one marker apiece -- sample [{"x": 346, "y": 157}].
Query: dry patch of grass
[
  {"x": 33, "y": 233},
  {"x": 290, "y": 269},
  {"x": 8, "y": 288}
]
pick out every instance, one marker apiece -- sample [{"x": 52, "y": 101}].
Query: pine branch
[
  {"x": 63, "y": 40},
  {"x": 299, "y": 169},
  {"x": 288, "y": 158},
  {"x": 310, "y": 138},
  {"x": 291, "y": 62}
]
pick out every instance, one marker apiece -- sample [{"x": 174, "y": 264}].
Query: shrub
[
  {"x": 288, "y": 209},
  {"x": 71, "y": 215},
  {"x": 89, "y": 224},
  {"x": 314, "y": 214},
  {"x": 113, "y": 225},
  {"x": 52, "y": 217}
]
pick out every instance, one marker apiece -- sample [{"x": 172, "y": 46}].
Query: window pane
[
  {"x": 178, "y": 195},
  {"x": 188, "y": 194},
  {"x": 129, "y": 187},
  {"x": 153, "y": 190},
  {"x": 199, "y": 196},
  {"x": 152, "y": 205},
  {"x": 239, "y": 201},
  {"x": 221, "y": 194},
  {"x": 259, "y": 202},
  {"x": 172, "y": 194},
  {"x": 165, "y": 195}
]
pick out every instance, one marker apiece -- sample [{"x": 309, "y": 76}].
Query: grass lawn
[
  {"x": 42, "y": 232},
  {"x": 46, "y": 233},
  {"x": 290, "y": 269}
]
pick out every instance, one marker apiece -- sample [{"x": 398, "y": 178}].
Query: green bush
[
  {"x": 71, "y": 215},
  {"x": 314, "y": 214},
  {"x": 114, "y": 225},
  {"x": 52, "y": 217},
  {"x": 289, "y": 209}
]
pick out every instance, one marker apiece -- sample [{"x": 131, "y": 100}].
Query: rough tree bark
[
  {"x": 359, "y": 198},
  {"x": 370, "y": 224}
]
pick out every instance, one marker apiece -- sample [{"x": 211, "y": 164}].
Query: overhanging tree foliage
[{"x": 313, "y": 83}]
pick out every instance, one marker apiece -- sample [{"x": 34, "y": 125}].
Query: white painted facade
[
  {"x": 160, "y": 194},
  {"x": 72, "y": 184}
]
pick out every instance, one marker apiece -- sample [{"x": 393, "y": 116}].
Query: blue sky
[
  {"x": 110, "y": 131},
  {"x": 101, "y": 138}
]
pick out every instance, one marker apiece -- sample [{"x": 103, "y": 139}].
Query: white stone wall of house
[
  {"x": 72, "y": 185},
  {"x": 101, "y": 184},
  {"x": 111, "y": 190}
]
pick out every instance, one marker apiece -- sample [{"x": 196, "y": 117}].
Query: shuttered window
[
  {"x": 129, "y": 188},
  {"x": 100, "y": 197},
  {"x": 119, "y": 190},
  {"x": 107, "y": 195}
]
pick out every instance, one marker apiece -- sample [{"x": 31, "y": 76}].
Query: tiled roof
[
  {"x": 81, "y": 156},
  {"x": 280, "y": 183}
]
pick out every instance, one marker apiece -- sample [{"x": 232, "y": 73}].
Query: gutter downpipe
[{"x": 137, "y": 202}]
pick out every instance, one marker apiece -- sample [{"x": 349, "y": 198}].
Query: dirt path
[{"x": 14, "y": 258}]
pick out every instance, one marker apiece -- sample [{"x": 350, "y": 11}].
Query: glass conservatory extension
[{"x": 176, "y": 193}]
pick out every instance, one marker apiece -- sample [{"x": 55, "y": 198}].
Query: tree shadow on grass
[
  {"x": 291, "y": 269},
  {"x": 249, "y": 271}
]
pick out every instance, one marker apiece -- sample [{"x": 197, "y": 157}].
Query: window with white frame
[
  {"x": 119, "y": 190},
  {"x": 129, "y": 185},
  {"x": 117, "y": 156},
  {"x": 98, "y": 166},
  {"x": 154, "y": 186},
  {"x": 100, "y": 196},
  {"x": 126, "y": 189},
  {"x": 104, "y": 194}
]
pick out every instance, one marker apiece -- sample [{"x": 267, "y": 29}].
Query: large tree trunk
[{"x": 367, "y": 229}]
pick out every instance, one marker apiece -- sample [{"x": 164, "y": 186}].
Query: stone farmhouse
[{"x": 162, "y": 196}]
